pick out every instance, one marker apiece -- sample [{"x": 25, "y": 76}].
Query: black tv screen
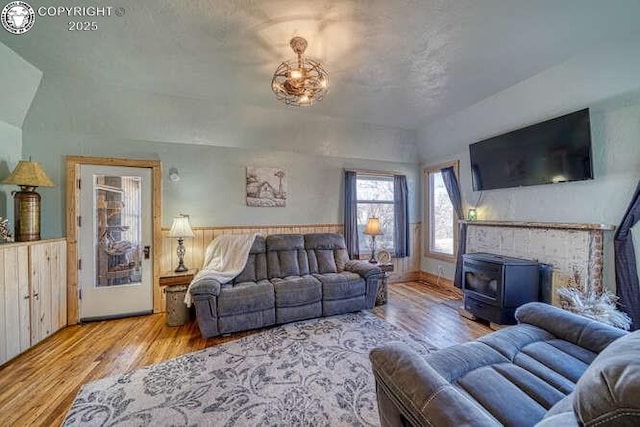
[{"x": 557, "y": 150}]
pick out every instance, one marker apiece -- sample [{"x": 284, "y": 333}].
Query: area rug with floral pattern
[{"x": 313, "y": 373}]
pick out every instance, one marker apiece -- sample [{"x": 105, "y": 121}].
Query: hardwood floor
[{"x": 38, "y": 387}]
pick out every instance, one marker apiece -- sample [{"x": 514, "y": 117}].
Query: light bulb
[
  {"x": 304, "y": 99},
  {"x": 296, "y": 74}
]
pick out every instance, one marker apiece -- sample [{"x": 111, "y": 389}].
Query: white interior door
[{"x": 114, "y": 241}]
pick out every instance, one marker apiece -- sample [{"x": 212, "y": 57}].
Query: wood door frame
[{"x": 73, "y": 164}]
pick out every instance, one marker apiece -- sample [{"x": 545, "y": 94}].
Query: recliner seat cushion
[
  {"x": 246, "y": 298},
  {"x": 503, "y": 397},
  {"x": 296, "y": 290},
  {"x": 560, "y": 414},
  {"x": 557, "y": 362},
  {"x": 341, "y": 285}
]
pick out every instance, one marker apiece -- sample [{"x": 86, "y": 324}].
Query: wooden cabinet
[
  {"x": 14, "y": 301},
  {"x": 33, "y": 299}
]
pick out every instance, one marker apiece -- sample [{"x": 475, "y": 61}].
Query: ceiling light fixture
[{"x": 300, "y": 81}]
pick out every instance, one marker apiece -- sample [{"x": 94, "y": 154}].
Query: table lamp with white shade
[
  {"x": 373, "y": 229},
  {"x": 181, "y": 229}
]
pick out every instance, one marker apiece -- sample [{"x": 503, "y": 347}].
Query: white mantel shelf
[{"x": 548, "y": 225}]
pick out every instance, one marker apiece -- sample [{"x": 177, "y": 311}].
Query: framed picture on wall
[{"x": 266, "y": 187}]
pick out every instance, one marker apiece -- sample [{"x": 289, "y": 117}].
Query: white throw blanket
[{"x": 225, "y": 258}]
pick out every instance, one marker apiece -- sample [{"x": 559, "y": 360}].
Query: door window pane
[{"x": 118, "y": 230}]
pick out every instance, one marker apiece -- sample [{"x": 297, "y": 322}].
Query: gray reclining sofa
[
  {"x": 288, "y": 277},
  {"x": 552, "y": 369}
]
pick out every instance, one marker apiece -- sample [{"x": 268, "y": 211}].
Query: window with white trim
[
  {"x": 441, "y": 233},
  {"x": 375, "y": 199}
]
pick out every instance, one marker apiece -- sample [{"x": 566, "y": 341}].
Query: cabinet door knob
[
  {"x": 27, "y": 297},
  {"x": 36, "y": 295}
]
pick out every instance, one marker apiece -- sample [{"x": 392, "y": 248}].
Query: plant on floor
[{"x": 596, "y": 304}]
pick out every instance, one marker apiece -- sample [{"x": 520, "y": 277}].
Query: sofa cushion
[
  {"x": 558, "y": 362},
  {"x": 296, "y": 290},
  {"x": 256, "y": 266},
  {"x": 560, "y": 414},
  {"x": 564, "y": 419},
  {"x": 246, "y": 297},
  {"x": 608, "y": 392},
  {"x": 340, "y": 285},
  {"x": 489, "y": 387},
  {"x": 286, "y": 256},
  {"x": 327, "y": 252}
]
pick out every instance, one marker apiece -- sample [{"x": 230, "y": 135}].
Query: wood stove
[{"x": 495, "y": 286}]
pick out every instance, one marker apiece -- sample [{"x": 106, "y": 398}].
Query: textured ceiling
[{"x": 391, "y": 62}]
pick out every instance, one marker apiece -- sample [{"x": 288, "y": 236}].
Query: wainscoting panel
[{"x": 404, "y": 268}]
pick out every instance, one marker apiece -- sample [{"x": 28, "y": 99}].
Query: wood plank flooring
[{"x": 38, "y": 387}]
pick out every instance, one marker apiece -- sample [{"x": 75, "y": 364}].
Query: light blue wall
[
  {"x": 210, "y": 145},
  {"x": 10, "y": 154},
  {"x": 606, "y": 80},
  {"x": 20, "y": 81}
]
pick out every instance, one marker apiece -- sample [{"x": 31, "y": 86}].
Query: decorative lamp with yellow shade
[
  {"x": 373, "y": 229},
  {"x": 28, "y": 176}
]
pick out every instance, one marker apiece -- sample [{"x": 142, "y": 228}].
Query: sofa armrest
[
  {"x": 363, "y": 268},
  {"x": 204, "y": 288},
  {"x": 372, "y": 274},
  {"x": 571, "y": 327},
  {"x": 419, "y": 393}
]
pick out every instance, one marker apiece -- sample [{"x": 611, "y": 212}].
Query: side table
[
  {"x": 383, "y": 284},
  {"x": 175, "y": 287}
]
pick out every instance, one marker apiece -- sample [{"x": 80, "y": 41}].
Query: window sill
[{"x": 441, "y": 256}]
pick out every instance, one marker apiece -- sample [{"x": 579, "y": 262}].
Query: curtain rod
[{"x": 373, "y": 172}]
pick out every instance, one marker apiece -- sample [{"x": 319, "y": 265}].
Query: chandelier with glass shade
[{"x": 301, "y": 81}]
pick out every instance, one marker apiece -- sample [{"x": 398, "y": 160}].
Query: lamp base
[
  {"x": 373, "y": 259},
  {"x": 27, "y": 215},
  {"x": 180, "y": 252},
  {"x": 181, "y": 268}
]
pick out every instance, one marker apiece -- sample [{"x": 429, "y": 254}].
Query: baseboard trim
[
  {"x": 425, "y": 276},
  {"x": 411, "y": 276}
]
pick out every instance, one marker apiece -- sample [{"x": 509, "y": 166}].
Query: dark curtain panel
[
  {"x": 451, "y": 183},
  {"x": 351, "y": 215},
  {"x": 401, "y": 215},
  {"x": 627, "y": 284}
]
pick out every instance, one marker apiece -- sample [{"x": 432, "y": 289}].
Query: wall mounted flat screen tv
[{"x": 557, "y": 150}]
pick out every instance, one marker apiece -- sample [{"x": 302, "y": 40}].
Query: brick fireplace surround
[{"x": 576, "y": 251}]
